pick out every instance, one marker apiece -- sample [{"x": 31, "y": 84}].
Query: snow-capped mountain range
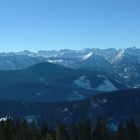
[
  {"x": 71, "y": 84},
  {"x": 122, "y": 64}
]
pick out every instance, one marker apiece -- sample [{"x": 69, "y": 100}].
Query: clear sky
[{"x": 70, "y": 24}]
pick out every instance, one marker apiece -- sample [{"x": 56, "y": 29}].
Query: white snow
[
  {"x": 86, "y": 84},
  {"x": 75, "y": 96},
  {"x": 106, "y": 86},
  {"x": 83, "y": 82},
  {"x": 65, "y": 110},
  {"x": 126, "y": 76},
  {"x": 55, "y": 61},
  {"x": 120, "y": 55},
  {"x": 3, "y": 119},
  {"x": 113, "y": 126},
  {"x": 125, "y": 69},
  {"x": 85, "y": 57},
  {"x": 29, "y": 119}
]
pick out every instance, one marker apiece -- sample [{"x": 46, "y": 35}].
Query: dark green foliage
[
  {"x": 101, "y": 132},
  {"x": 21, "y": 130},
  {"x": 131, "y": 130},
  {"x": 121, "y": 132},
  {"x": 73, "y": 132},
  {"x": 61, "y": 132},
  {"x": 84, "y": 131},
  {"x": 44, "y": 127}
]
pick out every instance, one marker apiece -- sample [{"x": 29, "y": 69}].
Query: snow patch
[
  {"x": 3, "y": 119},
  {"x": 83, "y": 82},
  {"x": 75, "y": 96},
  {"x": 120, "y": 55},
  {"x": 65, "y": 110},
  {"x": 106, "y": 85},
  {"x": 55, "y": 61},
  {"x": 85, "y": 57}
]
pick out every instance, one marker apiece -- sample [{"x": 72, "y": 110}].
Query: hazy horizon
[{"x": 63, "y": 49}]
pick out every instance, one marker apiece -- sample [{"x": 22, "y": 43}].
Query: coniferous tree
[
  {"x": 22, "y": 129},
  {"x": 44, "y": 127},
  {"x": 33, "y": 132},
  {"x": 9, "y": 129},
  {"x": 80, "y": 132},
  {"x": 1, "y": 131},
  {"x": 87, "y": 130},
  {"x": 48, "y": 137},
  {"x": 100, "y": 132},
  {"x": 61, "y": 132},
  {"x": 73, "y": 132},
  {"x": 131, "y": 130},
  {"x": 121, "y": 132}
]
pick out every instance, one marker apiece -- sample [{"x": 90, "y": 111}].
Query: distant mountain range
[
  {"x": 121, "y": 64},
  {"x": 71, "y": 85}
]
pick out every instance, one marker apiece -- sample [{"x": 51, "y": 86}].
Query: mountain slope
[
  {"x": 110, "y": 106},
  {"x": 51, "y": 82},
  {"x": 123, "y": 65},
  {"x": 127, "y": 66}
]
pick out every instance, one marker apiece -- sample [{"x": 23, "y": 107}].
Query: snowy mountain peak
[
  {"x": 88, "y": 55},
  {"x": 120, "y": 55}
]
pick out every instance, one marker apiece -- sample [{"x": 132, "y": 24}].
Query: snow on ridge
[
  {"x": 85, "y": 57},
  {"x": 3, "y": 119},
  {"x": 55, "y": 61},
  {"x": 120, "y": 55},
  {"x": 83, "y": 82},
  {"x": 107, "y": 85},
  {"x": 75, "y": 96}
]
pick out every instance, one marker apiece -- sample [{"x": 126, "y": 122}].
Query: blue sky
[{"x": 69, "y": 24}]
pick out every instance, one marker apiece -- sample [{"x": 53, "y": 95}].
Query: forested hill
[
  {"x": 21, "y": 130},
  {"x": 114, "y": 107}
]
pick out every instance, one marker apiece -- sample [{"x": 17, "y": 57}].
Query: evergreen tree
[
  {"x": 61, "y": 132},
  {"x": 1, "y": 132},
  {"x": 100, "y": 132},
  {"x": 9, "y": 129},
  {"x": 33, "y": 135},
  {"x": 44, "y": 126},
  {"x": 80, "y": 132},
  {"x": 121, "y": 132},
  {"x": 73, "y": 132},
  {"x": 49, "y": 137},
  {"x": 131, "y": 130},
  {"x": 22, "y": 129},
  {"x": 87, "y": 130}
]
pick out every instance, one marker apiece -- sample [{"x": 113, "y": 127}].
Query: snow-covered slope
[{"x": 104, "y": 85}]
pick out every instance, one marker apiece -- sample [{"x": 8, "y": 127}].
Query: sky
[{"x": 68, "y": 24}]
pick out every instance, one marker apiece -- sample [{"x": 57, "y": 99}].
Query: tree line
[{"x": 21, "y": 130}]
